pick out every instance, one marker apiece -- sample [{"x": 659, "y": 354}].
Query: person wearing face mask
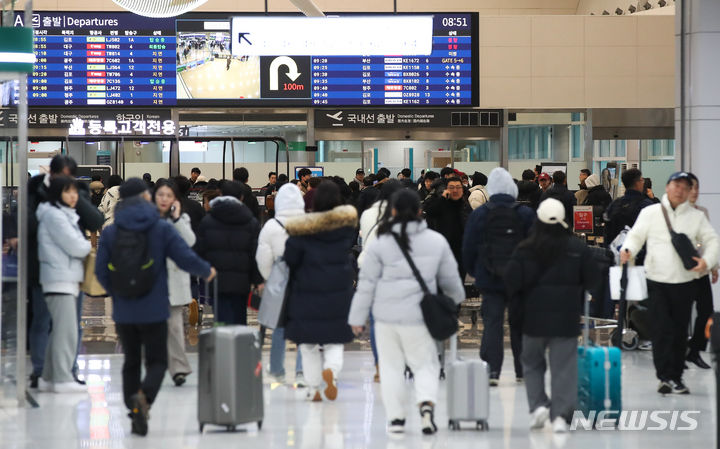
[
  {"x": 704, "y": 298},
  {"x": 167, "y": 200},
  {"x": 671, "y": 287},
  {"x": 61, "y": 250}
]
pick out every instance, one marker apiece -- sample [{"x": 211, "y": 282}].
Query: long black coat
[
  {"x": 547, "y": 296},
  {"x": 448, "y": 217},
  {"x": 321, "y": 276},
  {"x": 227, "y": 238}
]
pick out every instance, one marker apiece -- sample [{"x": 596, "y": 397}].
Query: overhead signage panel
[
  {"x": 406, "y": 118},
  {"x": 120, "y": 59},
  {"x": 332, "y": 36}
]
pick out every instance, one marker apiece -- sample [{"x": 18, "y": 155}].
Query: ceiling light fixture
[{"x": 159, "y": 8}]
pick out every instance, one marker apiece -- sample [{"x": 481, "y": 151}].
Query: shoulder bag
[
  {"x": 440, "y": 312},
  {"x": 274, "y": 293},
  {"x": 682, "y": 243}
]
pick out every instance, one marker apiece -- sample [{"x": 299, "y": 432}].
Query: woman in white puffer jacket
[
  {"x": 271, "y": 245},
  {"x": 167, "y": 200},
  {"x": 61, "y": 250}
]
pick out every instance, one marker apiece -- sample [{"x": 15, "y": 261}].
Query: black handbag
[
  {"x": 440, "y": 312},
  {"x": 682, "y": 244}
]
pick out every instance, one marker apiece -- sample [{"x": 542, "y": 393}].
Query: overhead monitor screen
[
  {"x": 122, "y": 59},
  {"x": 102, "y": 59}
]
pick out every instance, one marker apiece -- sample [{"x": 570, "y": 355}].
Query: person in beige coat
[{"x": 166, "y": 199}]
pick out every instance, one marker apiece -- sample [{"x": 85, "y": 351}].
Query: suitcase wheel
[
  {"x": 202, "y": 426},
  {"x": 260, "y": 424},
  {"x": 442, "y": 373},
  {"x": 230, "y": 428},
  {"x": 453, "y": 425},
  {"x": 482, "y": 425}
]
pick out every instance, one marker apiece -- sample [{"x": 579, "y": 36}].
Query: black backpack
[
  {"x": 131, "y": 267},
  {"x": 503, "y": 231},
  {"x": 622, "y": 214}
]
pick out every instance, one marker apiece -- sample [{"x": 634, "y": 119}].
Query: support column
[
  {"x": 589, "y": 150},
  {"x": 697, "y": 113},
  {"x": 504, "y": 148}
]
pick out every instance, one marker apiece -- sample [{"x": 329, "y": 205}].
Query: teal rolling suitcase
[{"x": 599, "y": 378}]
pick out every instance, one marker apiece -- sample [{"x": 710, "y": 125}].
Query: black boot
[{"x": 694, "y": 357}]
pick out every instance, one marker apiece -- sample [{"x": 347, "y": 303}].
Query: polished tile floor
[{"x": 355, "y": 420}]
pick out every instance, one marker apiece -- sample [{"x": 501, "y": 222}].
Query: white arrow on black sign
[{"x": 275, "y": 65}]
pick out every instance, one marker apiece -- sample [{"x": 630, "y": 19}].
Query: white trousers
[
  {"x": 411, "y": 345},
  {"x": 315, "y": 362}
]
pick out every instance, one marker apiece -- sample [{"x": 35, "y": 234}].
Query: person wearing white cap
[
  {"x": 670, "y": 278},
  {"x": 547, "y": 277}
]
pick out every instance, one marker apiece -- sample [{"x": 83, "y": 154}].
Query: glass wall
[{"x": 537, "y": 137}]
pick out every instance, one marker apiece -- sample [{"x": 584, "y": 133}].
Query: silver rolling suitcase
[
  {"x": 468, "y": 390},
  {"x": 230, "y": 387}
]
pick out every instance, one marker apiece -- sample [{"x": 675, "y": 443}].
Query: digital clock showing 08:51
[{"x": 455, "y": 21}]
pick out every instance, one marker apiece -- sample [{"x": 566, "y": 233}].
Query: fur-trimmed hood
[{"x": 316, "y": 222}]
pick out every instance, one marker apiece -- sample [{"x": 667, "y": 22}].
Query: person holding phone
[{"x": 167, "y": 200}]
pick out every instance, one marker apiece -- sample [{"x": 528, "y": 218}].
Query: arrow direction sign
[{"x": 275, "y": 65}]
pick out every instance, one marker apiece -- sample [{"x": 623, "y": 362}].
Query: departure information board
[
  {"x": 120, "y": 59},
  {"x": 443, "y": 78},
  {"x": 102, "y": 59}
]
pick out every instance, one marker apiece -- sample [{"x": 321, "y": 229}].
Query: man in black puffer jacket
[
  {"x": 227, "y": 238},
  {"x": 528, "y": 190},
  {"x": 447, "y": 213}
]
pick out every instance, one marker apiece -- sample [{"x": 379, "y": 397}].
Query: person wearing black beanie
[{"x": 132, "y": 187}]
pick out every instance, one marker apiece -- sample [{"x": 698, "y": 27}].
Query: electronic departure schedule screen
[
  {"x": 102, "y": 59},
  {"x": 442, "y": 78},
  {"x": 119, "y": 59}
]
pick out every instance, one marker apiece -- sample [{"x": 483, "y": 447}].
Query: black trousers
[
  {"x": 492, "y": 348},
  {"x": 704, "y": 308},
  {"x": 670, "y": 306},
  {"x": 152, "y": 338},
  {"x": 232, "y": 309}
]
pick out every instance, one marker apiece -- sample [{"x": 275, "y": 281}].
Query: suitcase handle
[{"x": 586, "y": 326}]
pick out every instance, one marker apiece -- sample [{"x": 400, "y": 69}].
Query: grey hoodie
[
  {"x": 61, "y": 249},
  {"x": 500, "y": 181}
]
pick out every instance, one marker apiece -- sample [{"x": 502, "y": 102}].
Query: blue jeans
[
  {"x": 277, "y": 354},
  {"x": 373, "y": 345},
  {"x": 39, "y": 329}
]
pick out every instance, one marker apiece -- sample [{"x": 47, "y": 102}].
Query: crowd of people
[{"x": 344, "y": 245}]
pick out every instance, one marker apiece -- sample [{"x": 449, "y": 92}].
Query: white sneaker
[
  {"x": 45, "y": 387},
  {"x": 275, "y": 379},
  {"x": 300, "y": 380},
  {"x": 313, "y": 395},
  {"x": 539, "y": 417},
  {"x": 560, "y": 425},
  {"x": 69, "y": 387}
]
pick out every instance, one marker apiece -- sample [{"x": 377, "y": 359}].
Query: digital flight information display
[
  {"x": 120, "y": 59},
  {"x": 443, "y": 78},
  {"x": 102, "y": 59}
]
